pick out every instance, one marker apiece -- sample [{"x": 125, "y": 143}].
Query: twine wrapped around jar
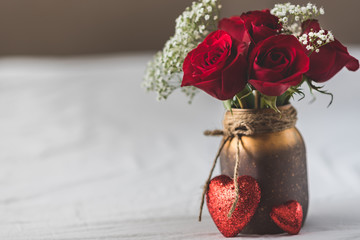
[
  {"x": 247, "y": 123},
  {"x": 253, "y": 122}
]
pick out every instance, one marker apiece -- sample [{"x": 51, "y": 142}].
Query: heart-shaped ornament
[
  {"x": 288, "y": 216},
  {"x": 221, "y": 196}
]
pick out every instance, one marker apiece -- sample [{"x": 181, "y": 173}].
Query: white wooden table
[{"x": 87, "y": 154}]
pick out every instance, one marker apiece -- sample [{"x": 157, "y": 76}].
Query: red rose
[
  {"x": 217, "y": 66},
  {"x": 276, "y": 64},
  {"x": 331, "y": 58},
  {"x": 259, "y": 25},
  {"x": 235, "y": 26}
]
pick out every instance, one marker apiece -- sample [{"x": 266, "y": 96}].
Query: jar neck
[{"x": 258, "y": 121}]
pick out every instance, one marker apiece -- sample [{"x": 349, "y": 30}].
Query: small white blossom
[
  {"x": 313, "y": 41},
  {"x": 315, "y": 10},
  {"x": 291, "y": 16},
  {"x": 164, "y": 73},
  {"x": 322, "y": 11}
]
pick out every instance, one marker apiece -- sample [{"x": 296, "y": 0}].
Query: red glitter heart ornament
[
  {"x": 221, "y": 196},
  {"x": 288, "y": 216}
]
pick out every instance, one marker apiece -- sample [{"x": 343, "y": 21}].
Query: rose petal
[
  {"x": 235, "y": 75},
  {"x": 331, "y": 58},
  {"x": 218, "y": 66},
  {"x": 269, "y": 88},
  {"x": 273, "y": 77},
  {"x": 236, "y": 28}
]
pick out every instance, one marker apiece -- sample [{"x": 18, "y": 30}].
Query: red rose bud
[
  {"x": 276, "y": 64},
  {"x": 217, "y": 66},
  {"x": 261, "y": 24},
  {"x": 258, "y": 24},
  {"x": 330, "y": 59},
  {"x": 235, "y": 26}
]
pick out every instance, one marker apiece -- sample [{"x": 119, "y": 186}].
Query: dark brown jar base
[{"x": 278, "y": 162}]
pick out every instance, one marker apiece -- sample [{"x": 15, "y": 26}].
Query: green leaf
[
  {"x": 296, "y": 90},
  {"x": 227, "y": 105},
  {"x": 242, "y": 95},
  {"x": 270, "y": 101},
  {"x": 283, "y": 99},
  {"x": 319, "y": 89},
  {"x": 250, "y": 101}
]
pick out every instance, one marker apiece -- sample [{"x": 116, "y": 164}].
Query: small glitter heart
[
  {"x": 288, "y": 216},
  {"x": 221, "y": 196}
]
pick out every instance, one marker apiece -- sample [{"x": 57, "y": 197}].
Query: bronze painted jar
[{"x": 277, "y": 160}]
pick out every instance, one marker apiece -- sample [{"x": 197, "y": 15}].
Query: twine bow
[{"x": 246, "y": 123}]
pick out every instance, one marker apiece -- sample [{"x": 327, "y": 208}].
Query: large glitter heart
[
  {"x": 221, "y": 196},
  {"x": 288, "y": 216}
]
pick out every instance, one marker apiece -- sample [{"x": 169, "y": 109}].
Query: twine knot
[{"x": 247, "y": 122}]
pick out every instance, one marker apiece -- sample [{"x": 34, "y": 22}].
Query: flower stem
[
  {"x": 257, "y": 99},
  {"x": 240, "y": 102}
]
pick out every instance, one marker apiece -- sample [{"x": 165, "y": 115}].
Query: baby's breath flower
[
  {"x": 291, "y": 16},
  {"x": 314, "y": 40},
  {"x": 164, "y": 73},
  {"x": 308, "y": 47}
]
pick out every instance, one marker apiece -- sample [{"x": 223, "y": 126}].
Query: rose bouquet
[
  {"x": 259, "y": 59},
  {"x": 255, "y": 63}
]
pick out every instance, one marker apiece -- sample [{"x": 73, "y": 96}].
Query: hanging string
[
  {"x": 236, "y": 183},
  {"x": 209, "y": 178}
]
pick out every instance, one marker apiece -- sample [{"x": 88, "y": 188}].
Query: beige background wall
[{"x": 62, "y": 27}]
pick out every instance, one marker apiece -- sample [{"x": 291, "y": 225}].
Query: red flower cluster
[{"x": 251, "y": 49}]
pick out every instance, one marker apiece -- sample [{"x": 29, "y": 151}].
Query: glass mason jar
[{"x": 277, "y": 160}]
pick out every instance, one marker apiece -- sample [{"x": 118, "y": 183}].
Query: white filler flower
[{"x": 164, "y": 72}]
